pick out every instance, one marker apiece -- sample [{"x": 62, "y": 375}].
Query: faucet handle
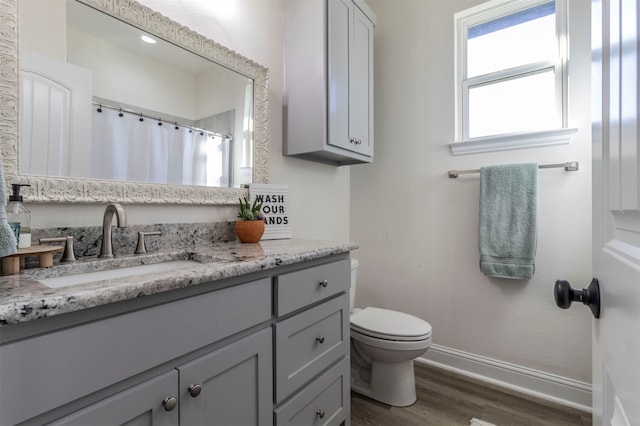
[
  {"x": 67, "y": 254},
  {"x": 140, "y": 247}
]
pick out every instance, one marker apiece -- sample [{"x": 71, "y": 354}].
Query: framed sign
[{"x": 275, "y": 208}]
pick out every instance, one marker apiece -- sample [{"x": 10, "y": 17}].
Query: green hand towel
[{"x": 508, "y": 220}]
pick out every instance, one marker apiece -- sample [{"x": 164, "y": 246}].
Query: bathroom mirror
[{"x": 239, "y": 125}]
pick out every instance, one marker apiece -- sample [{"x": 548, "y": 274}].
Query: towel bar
[{"x": 570, "y": 166}]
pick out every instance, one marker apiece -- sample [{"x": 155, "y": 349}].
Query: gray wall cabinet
[
  {"x": 264, "y": 348},
  {"x": 328, "y": 97}
]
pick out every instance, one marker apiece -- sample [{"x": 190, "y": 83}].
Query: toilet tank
[{"x": 352, "y": 290}]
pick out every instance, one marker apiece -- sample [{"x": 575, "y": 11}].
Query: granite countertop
[{"x": 23, "y": 298}]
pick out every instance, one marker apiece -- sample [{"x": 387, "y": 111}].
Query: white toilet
[{"x": 384, "y": 344}]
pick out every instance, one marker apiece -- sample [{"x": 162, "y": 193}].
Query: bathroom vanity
[
  {"x": 246, "y": 334},
  {"x": 240, "y": 334}
]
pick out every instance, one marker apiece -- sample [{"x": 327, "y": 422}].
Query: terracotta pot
[{"x": 249, "y": 231}]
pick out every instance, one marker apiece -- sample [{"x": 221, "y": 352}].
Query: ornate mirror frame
[{"x": 70, "y": 190}]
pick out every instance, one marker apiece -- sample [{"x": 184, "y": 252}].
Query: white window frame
[{"x": 489, "y": 11}]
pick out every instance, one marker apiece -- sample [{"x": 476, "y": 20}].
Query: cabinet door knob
[
  {"x": 324, "y": 283},
  {"x": 194, "y": 390},
  {"x": 320, "y": 413},
  {"x": 320, "y": 339},
  {"x": 170, "y": 403},
  {"x": 353, "y": 140}
]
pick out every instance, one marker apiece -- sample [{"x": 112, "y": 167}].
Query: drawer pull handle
[
  {"x": 169, "y": 403},
  {"x": 324, "y": 283},
  {"x": 320, "y": 339},
  {"x": 194, "y": 390},
  {"x": 320, "y": 413}
]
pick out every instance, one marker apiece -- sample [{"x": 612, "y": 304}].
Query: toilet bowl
[{"x": 384, "y": 344}]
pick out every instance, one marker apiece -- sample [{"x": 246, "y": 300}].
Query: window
[{"x": 510, "y": 69}]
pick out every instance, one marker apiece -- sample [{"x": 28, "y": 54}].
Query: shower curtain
[{"x": 133, "y": 148}]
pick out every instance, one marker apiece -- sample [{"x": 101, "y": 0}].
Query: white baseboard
[{"x": 550, "y": 387}]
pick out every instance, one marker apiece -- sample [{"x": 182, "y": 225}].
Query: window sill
[{"x": 513, "y": 141}]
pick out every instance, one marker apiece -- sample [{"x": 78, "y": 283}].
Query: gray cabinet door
[
  {"x": 236, "y": 385},
  {"x": 338, "y": 36},
  {"x": 361, "y": 83},
  {"x": 137, "y": 406},
  {"x": 350, "y": 39}
]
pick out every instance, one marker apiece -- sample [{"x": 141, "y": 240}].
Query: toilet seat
[{"x": 390, "y": 325}]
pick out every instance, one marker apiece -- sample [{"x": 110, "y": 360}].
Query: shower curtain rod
[
  {"x": 570, "y": 166},
  {"x": 159, "y": 119}
]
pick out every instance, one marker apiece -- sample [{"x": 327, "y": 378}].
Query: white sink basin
[{"x": 88, "y": 277}]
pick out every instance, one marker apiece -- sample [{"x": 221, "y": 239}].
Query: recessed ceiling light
[{"x": 148, "y": 39}]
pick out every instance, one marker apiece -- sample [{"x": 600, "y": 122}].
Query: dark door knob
[{"x": 590, "y": 296}]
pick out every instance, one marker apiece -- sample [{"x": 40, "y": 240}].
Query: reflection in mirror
[
  {"x": 237, "y": 123},
  {"x": 109, "y": 101}
]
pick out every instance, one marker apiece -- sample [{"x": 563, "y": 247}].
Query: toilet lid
[{"x": 391, "y": 325}]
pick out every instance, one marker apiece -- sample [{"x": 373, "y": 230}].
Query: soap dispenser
[{"x": 17, "y": 212}]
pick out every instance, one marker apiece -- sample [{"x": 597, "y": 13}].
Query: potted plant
[{"x": 250, "y": 226}]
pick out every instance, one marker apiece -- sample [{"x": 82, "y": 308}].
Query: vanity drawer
[
  {"x": 326, "y": 401},
  {"x": 299, "y": 289},
  {"x": 307, "y": 343}
]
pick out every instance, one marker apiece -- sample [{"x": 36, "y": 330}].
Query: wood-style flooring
[{"x": 448, "y": 399}]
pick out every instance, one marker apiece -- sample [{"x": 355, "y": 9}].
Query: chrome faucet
[{"x": 106, "y": 250}]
